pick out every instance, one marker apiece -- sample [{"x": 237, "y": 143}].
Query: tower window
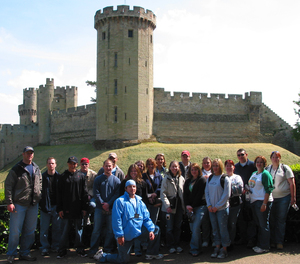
[
  {"x": 116, "y": 59},
  {"x": 125, "y": 89},
  {"x": 103, "y": 35},
  {"x": 125, "y": 116},
  {"x": 150, "y": 38},
  {"x": 147, "y": 91},
  {"x": 129, "y": 61},
  {"x": 145, "y": 63},
  {"x": 116, "y": 114},
  {"x": 103, "y": 63},
  {"x": 130, "y": 33},
  {"x": 116, "y": 86}
]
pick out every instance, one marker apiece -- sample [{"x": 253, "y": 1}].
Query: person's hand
[
  {"x": 214, "y": 209},
  {"x": 153, "y": 195},
  {"x": 210, "y": 209},
  {"x": 293, "y": 200},
  {"x": 151, "y": 236},
  {"x": 263, "y": 207},
  {"x": 11, "y": 208},
  {"x": 105, "y": 207},
  {"x": 121, "y": 241},
  {"x": 169, "y": 210},
  {"x": 189, "y": 208},
  {"x": 61, "y": 214}
]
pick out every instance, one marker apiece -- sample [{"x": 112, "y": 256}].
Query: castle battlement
[
  {"x": 17, "y": 128},
  {"x": 124, "y": 11},
  {"x": 160, "y": 94},
  {"x": 74, "y": 110}
]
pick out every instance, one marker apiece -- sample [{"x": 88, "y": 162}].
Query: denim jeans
[
  {"x": 195, "y": 243},
  {"x": 262, "y": 222},
  {"x": 153, "y": 211},
  {"x": 100, "y": 217},
  {"x": 44, "y": 229},
  {"x": 232, "y": 219},
  {"x": 279, "y": 211},
  {"x": 123, "y": 255},
  {"x": 173, "y": 229},
  {"x": 219, "y": 223},
  {"x": 65, "y": 227},
  {"x": 22, "y": 222}
]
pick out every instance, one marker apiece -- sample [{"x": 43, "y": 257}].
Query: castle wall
[
  {"x": 75, "y": 125},
  {"x": 13, "y": 139},
  {"x": 201, "y": 119}
]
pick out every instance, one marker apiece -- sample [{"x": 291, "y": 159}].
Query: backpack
[{"x": 222, "y": 179}]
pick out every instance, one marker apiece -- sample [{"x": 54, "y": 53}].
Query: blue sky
[{"x": 209, "y": 46}]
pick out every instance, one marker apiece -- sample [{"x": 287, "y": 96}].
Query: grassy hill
[{"x": 143, "y": 151}]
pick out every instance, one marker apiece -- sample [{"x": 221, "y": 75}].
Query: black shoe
[
  {"x": 61, "y": 254},
  {"x": 82, "y": 253},
  {"x": 27, "y": 257}
]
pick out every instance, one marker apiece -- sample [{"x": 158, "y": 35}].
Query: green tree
[
  {"x": 296, "y": 130},
  {"x": 93, "y": 84}
]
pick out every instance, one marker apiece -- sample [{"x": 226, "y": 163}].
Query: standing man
[
  {"x": 23, "y": 186},
  {"x": 72, "y": 204},
  {"x": 116, "y": 170},
  {"x": 48, "y": 209},
  {"x": 106, "y": 191},
  {"x": 90, "y": 176},
  {"x": 245, "y": 223},
  {"x": 130, "y": 214},
  {"x": 185, "y": 163}
]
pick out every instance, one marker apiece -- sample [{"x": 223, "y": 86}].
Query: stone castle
[{"x": 129, "y": 109}]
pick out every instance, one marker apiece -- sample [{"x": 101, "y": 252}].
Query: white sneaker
[
  {"x": 179, "y": 249},
  {"x": 159, "y": 256},
  {"x": 172, "y": 250},
  {"x": 260, "y": 250},
  {"x": 98, "y": 255}
]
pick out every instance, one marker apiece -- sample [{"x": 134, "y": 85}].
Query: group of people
[{"x": 216, "y": 201}]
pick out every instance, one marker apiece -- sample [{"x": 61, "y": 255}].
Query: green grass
[{"x": 143, "y": 151}]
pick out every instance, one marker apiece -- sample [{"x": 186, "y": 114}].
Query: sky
[{"x": 206, "y": 46}]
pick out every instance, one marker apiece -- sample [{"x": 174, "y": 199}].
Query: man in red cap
[
  {"x": 185, "y": 162},
  {"x": 90, "y": 176}
]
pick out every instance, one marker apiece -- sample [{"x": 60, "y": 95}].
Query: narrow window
[
  {"x": 116, "y": 86},
  {"x": 145, "y": 63},
  {"x": 125, "y": 116},
  {"x": 103, "y": 35},
  {"x": 130, "y": 33},
  {"x": 150, "y": 38},
  {"x": 116, "y": 59},
  {"x": 146, "y": 119},
  {"x": 104, "y": 63},
  {"x": 125, "y": 89},
  {"x": 129, "y": 61},
  {"x": 147, "y": 91},
  {"x": 106, "y": 117},
  {"x": 116, "y": 113}
]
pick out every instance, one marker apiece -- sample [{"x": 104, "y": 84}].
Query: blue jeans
[
  {"x": 123, "y": 255},
  {"x": 195, "y": 244},
  {"x": 279, "y": 211},
  {"x": 206, "y": 228},
  {"x": 232, "y": 219},
  {"x": 100, "y": 217},
  {"x": 219, "y": 223},
  {"x": 153, "y": 211},
  {"x": 44, "y": 229},
  {"x": 65, "y": 227},
  {"x": 262, "y": 222},
  {"x": 23, "y": 221}
]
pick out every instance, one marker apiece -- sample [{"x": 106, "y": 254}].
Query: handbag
[
  {"x": 156, "y": 202},
  {"x": 172, "y": 200}
]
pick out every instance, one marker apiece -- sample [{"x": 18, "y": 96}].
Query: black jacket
[{"x": 72, "y": 195}]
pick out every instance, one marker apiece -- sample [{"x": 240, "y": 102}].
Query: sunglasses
[{"x": 241, "y": 155}]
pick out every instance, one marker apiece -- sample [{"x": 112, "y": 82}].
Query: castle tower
[
  {"x": 27, "y": 110},
  {"x": 124, "y": 73},
  {"x": 45, "y": 98}
]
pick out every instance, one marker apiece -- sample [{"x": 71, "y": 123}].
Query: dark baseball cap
[
  {"x": 72, "y": 159},
  {"x": 28, "y": 148}
]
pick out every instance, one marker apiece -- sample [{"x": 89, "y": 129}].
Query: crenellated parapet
[
  {"x": 80, "y": 110},
  {"x": 123, "y": 11}
]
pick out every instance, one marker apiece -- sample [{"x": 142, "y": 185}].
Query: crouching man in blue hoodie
[{"x": 129, "y": 215}]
